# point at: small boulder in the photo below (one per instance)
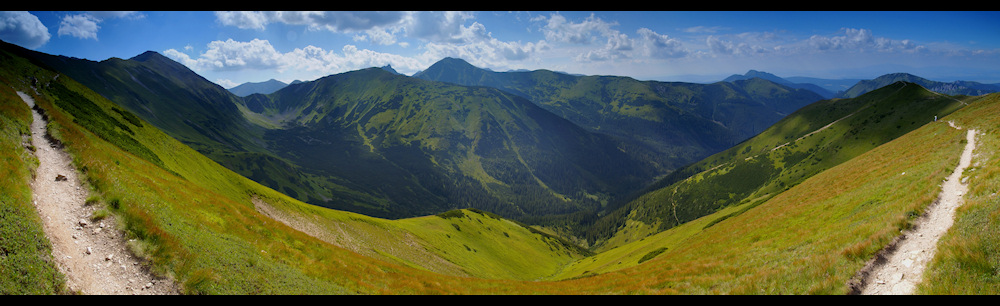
(60, 178)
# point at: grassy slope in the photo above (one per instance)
(194, 219)
(968, 258)
(811, 238)
(783, 156)
(26, 264)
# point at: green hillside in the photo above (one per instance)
(187, 107)
(424, 147)
(807, 142)
(969, 254)
(197, 223)
(813, 237)
(679, 122)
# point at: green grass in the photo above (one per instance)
(26, 263)
(786, 154)
(810, 239)
(968, 256)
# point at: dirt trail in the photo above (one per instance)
(91, 254)
(899, 271)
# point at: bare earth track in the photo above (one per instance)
(91, 254)
(900, 268)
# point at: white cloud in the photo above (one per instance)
(226, 83)
(257, 54)
(442, 34)
(860, 40)
(243, 20)
(85, 25)
(232, 55)
(80, 26)
(558, 29)
(336, 21)
(376, 27)
(589, 32)
(660, 46)
(725, 47)
(23, 29)
(443, 27)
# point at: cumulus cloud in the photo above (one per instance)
(559, 29)
(85, 25)
(442, 34)
(589, 32)
(860, 40)
(257, 54)
(337, 21)
(661, 46)
(232, 55)
(80, 26)
(376, 27)
(23, 29)
(719, 46)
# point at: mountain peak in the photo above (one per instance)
(145, 56)
(449, 69)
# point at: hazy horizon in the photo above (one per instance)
(232, 48)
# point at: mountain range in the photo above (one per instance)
(463, 180)
(494, 156)
(264, 87)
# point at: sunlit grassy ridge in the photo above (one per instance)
(810, 239)
(968, 256)
(26, 263)
(807, 142)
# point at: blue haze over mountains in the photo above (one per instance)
(827, 88)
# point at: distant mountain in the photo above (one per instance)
(825, 93)
(679, 122)
(265, 87)
(949, 88)
(403, 146)
(831, 85)
(389, 69)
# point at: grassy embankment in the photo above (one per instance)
(968, 256)
(809, 239)
(26, 263)
(803, 144)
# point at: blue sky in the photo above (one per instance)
(230, 48)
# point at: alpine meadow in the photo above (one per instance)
(138, 174)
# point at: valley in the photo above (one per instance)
(465, 181)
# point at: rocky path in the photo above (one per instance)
(903, 267)
(91, 254)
